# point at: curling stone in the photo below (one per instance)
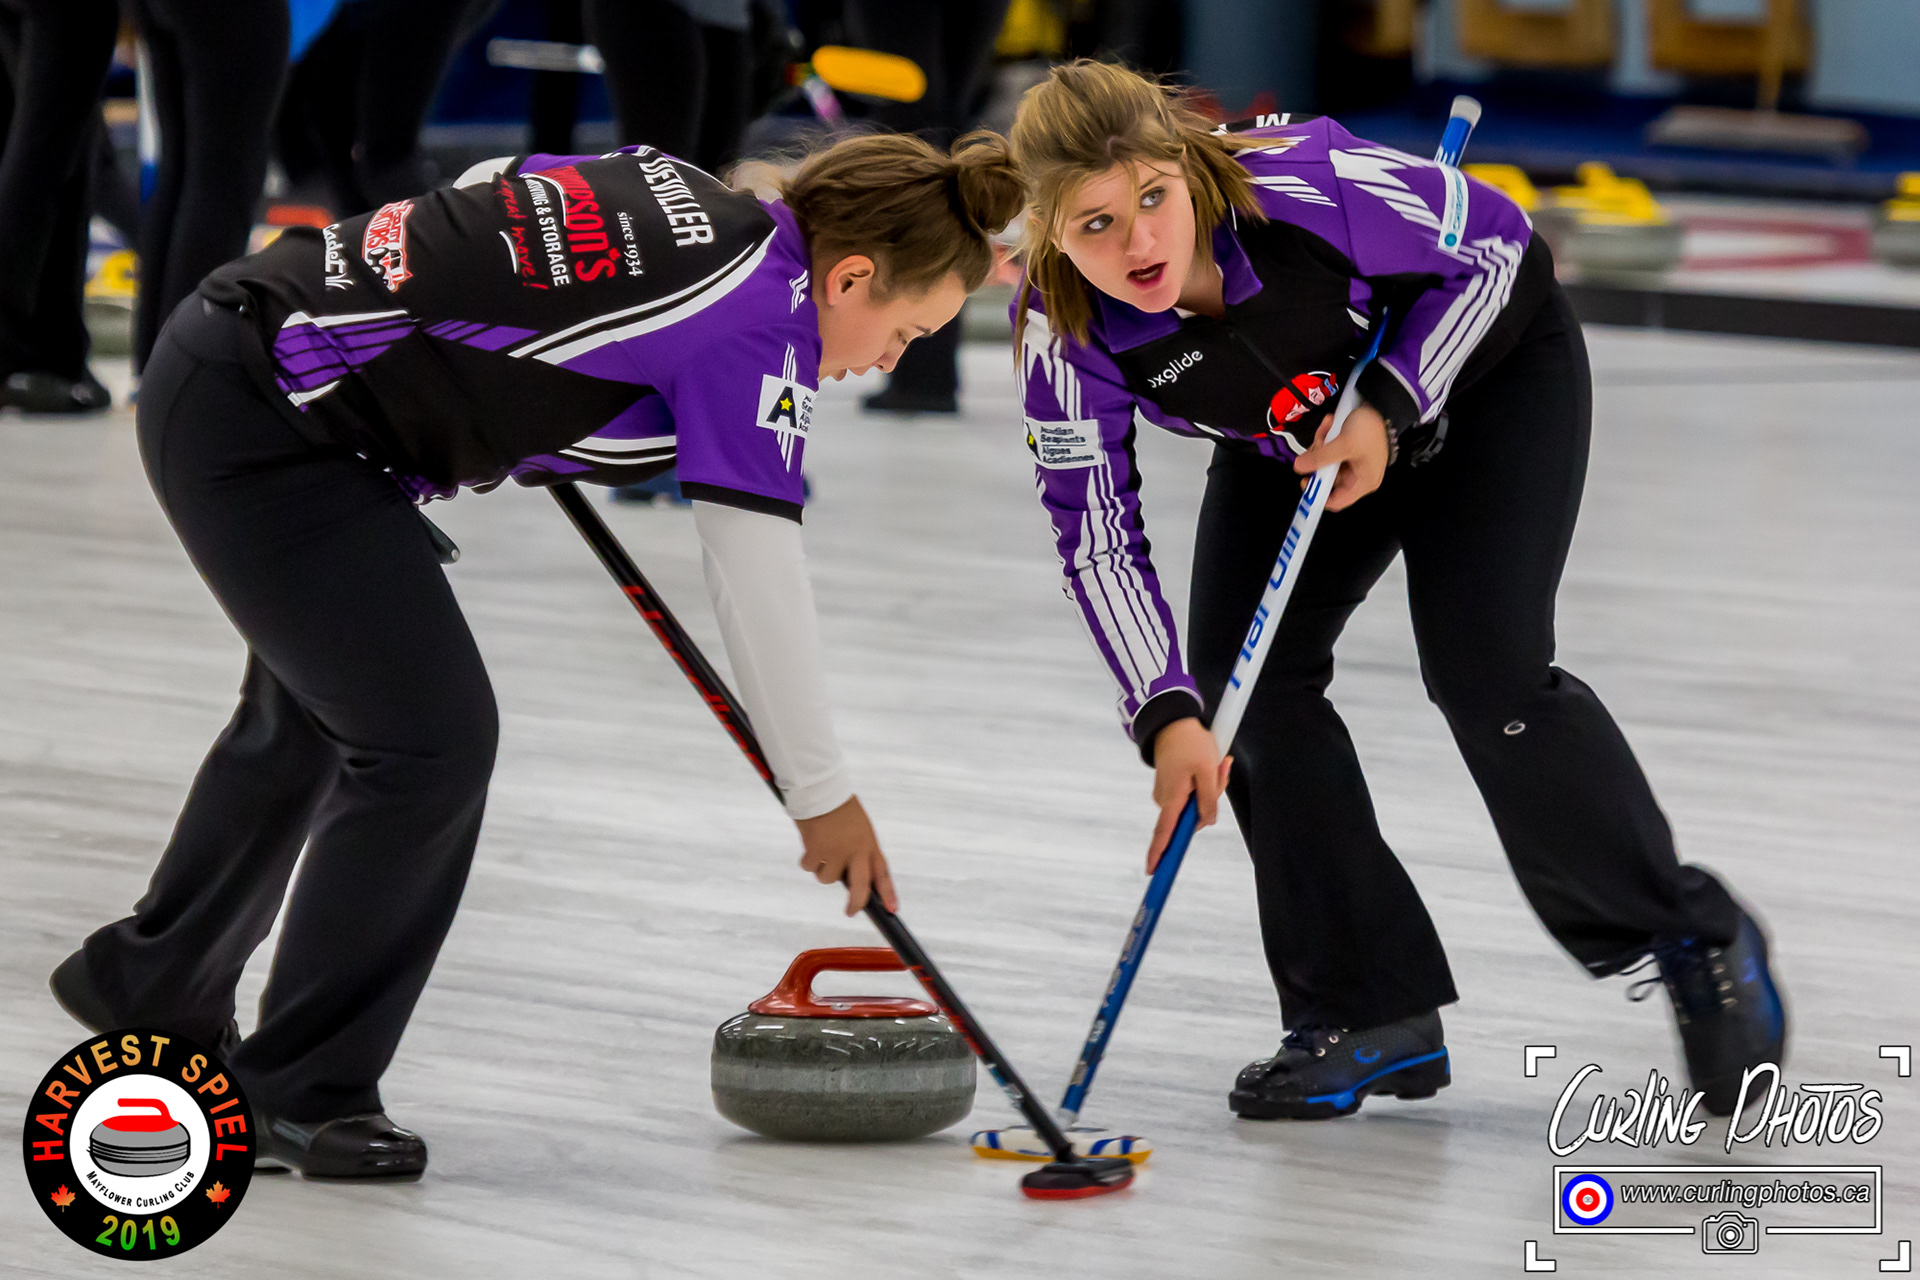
(140, 1146)
(1508, 179)
(1607, 223)
(844, 1068)
(1896, 231)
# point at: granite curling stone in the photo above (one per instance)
(1896, 229)
(140, 1146)
(1607, 224)
(804, 1068)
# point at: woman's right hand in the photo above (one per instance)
(840, 846)
(1186, 760)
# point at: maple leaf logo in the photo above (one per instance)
(218, 1194)
(63, 1197)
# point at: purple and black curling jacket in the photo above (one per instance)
(1352, 233)
(568, 317)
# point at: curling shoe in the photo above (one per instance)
(73, 990)
(41, 392)
(1728, 1010)
(359, 1147)
(1322, 1072)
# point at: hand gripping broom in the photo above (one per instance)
(1069, 1176)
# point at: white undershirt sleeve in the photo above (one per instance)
(485, 171)
(757, 576)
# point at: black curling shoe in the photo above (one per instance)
(39, 392)
(73, 990)
(369, 1146)
(1729, 1011)
(1322, 1072)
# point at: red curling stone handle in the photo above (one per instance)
(794, 996)
(142, 1124)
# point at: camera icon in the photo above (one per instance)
(1729, 1232)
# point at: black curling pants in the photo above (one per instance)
(217, 69)
(1485, 528)
(409, 47)
(675, 83)
(952, 41)
(365, 733)
(56, 54)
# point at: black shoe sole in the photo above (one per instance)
(1410, 1080)
(276, 1154)
(410, 1175)
(50, 393)
(271, 1160)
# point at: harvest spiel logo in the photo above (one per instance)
(138, 1144)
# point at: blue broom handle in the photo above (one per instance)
(1226, 724)
(1121, 982)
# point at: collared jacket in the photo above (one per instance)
(1354, 235)
(549, 318)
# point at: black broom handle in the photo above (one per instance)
(693, 664)
(733, 718)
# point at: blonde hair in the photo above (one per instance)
(920, 213)
(1082, 120)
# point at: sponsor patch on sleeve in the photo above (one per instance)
(1065, 446)
(384, 244)
(785, 405)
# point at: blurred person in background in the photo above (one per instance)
(215, 69)
(356, 103)
(952, 41)
(1147, 34)
(115, 197)
(678, 73)
(56, 54)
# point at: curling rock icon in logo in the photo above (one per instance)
(137, 1145)
(1588, 1199)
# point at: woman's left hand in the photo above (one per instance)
(1361, 445)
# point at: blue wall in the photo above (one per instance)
(1866, 55)
(1866, 52)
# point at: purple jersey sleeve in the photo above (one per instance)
(1080, 423)
(1389, 212)
(743, 410)
(1399, 207)
(737, 362)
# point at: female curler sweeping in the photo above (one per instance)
(546, 318)
(1220, 284)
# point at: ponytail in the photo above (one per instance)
(921, 214)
